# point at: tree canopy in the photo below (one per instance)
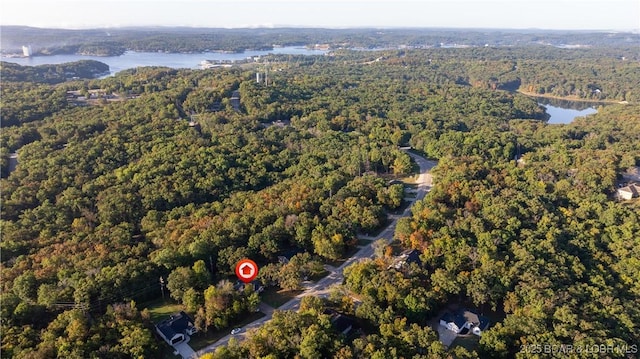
(173, 181)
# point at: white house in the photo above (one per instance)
(464, 319)
(628, 192)
(455, 323)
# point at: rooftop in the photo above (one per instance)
(175, 324)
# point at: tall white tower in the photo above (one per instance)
(26, 51)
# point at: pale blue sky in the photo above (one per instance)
(513, 14)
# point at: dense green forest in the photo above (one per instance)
(53, 74)
(172, 180)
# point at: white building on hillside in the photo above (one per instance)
(26, 51)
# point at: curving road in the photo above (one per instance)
(322, 287)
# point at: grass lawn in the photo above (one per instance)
(167, 351)
(469, 342)
(275, 298)
(159, 310)
(162, 308)
(202, 340)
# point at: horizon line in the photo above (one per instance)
(312, 27)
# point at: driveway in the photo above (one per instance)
(185, 350)
(446, 336)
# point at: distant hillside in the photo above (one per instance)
(52, 74)
(179, 39)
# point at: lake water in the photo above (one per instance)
(560, 111)
(132, 59)
(564, 111)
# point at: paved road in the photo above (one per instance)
(323, 286)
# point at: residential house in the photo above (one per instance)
(628, 192)
(286, 256)
(406, 258)
(413, 256)
(455, 323)
(342, 324)
(464, 319)
(176, 328)
(257, 286)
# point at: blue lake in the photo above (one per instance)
(564, 111)
(560, 111)
(559, 115)
(133, 59)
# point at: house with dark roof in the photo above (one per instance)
(413, 256)
(465, 319)
(406, 258)
(342, 324)
(175, 329)
(257, 286)
(455, 323)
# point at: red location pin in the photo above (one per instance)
(247, 270)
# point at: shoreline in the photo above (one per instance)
(576, 99)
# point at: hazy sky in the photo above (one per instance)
(515, 14)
